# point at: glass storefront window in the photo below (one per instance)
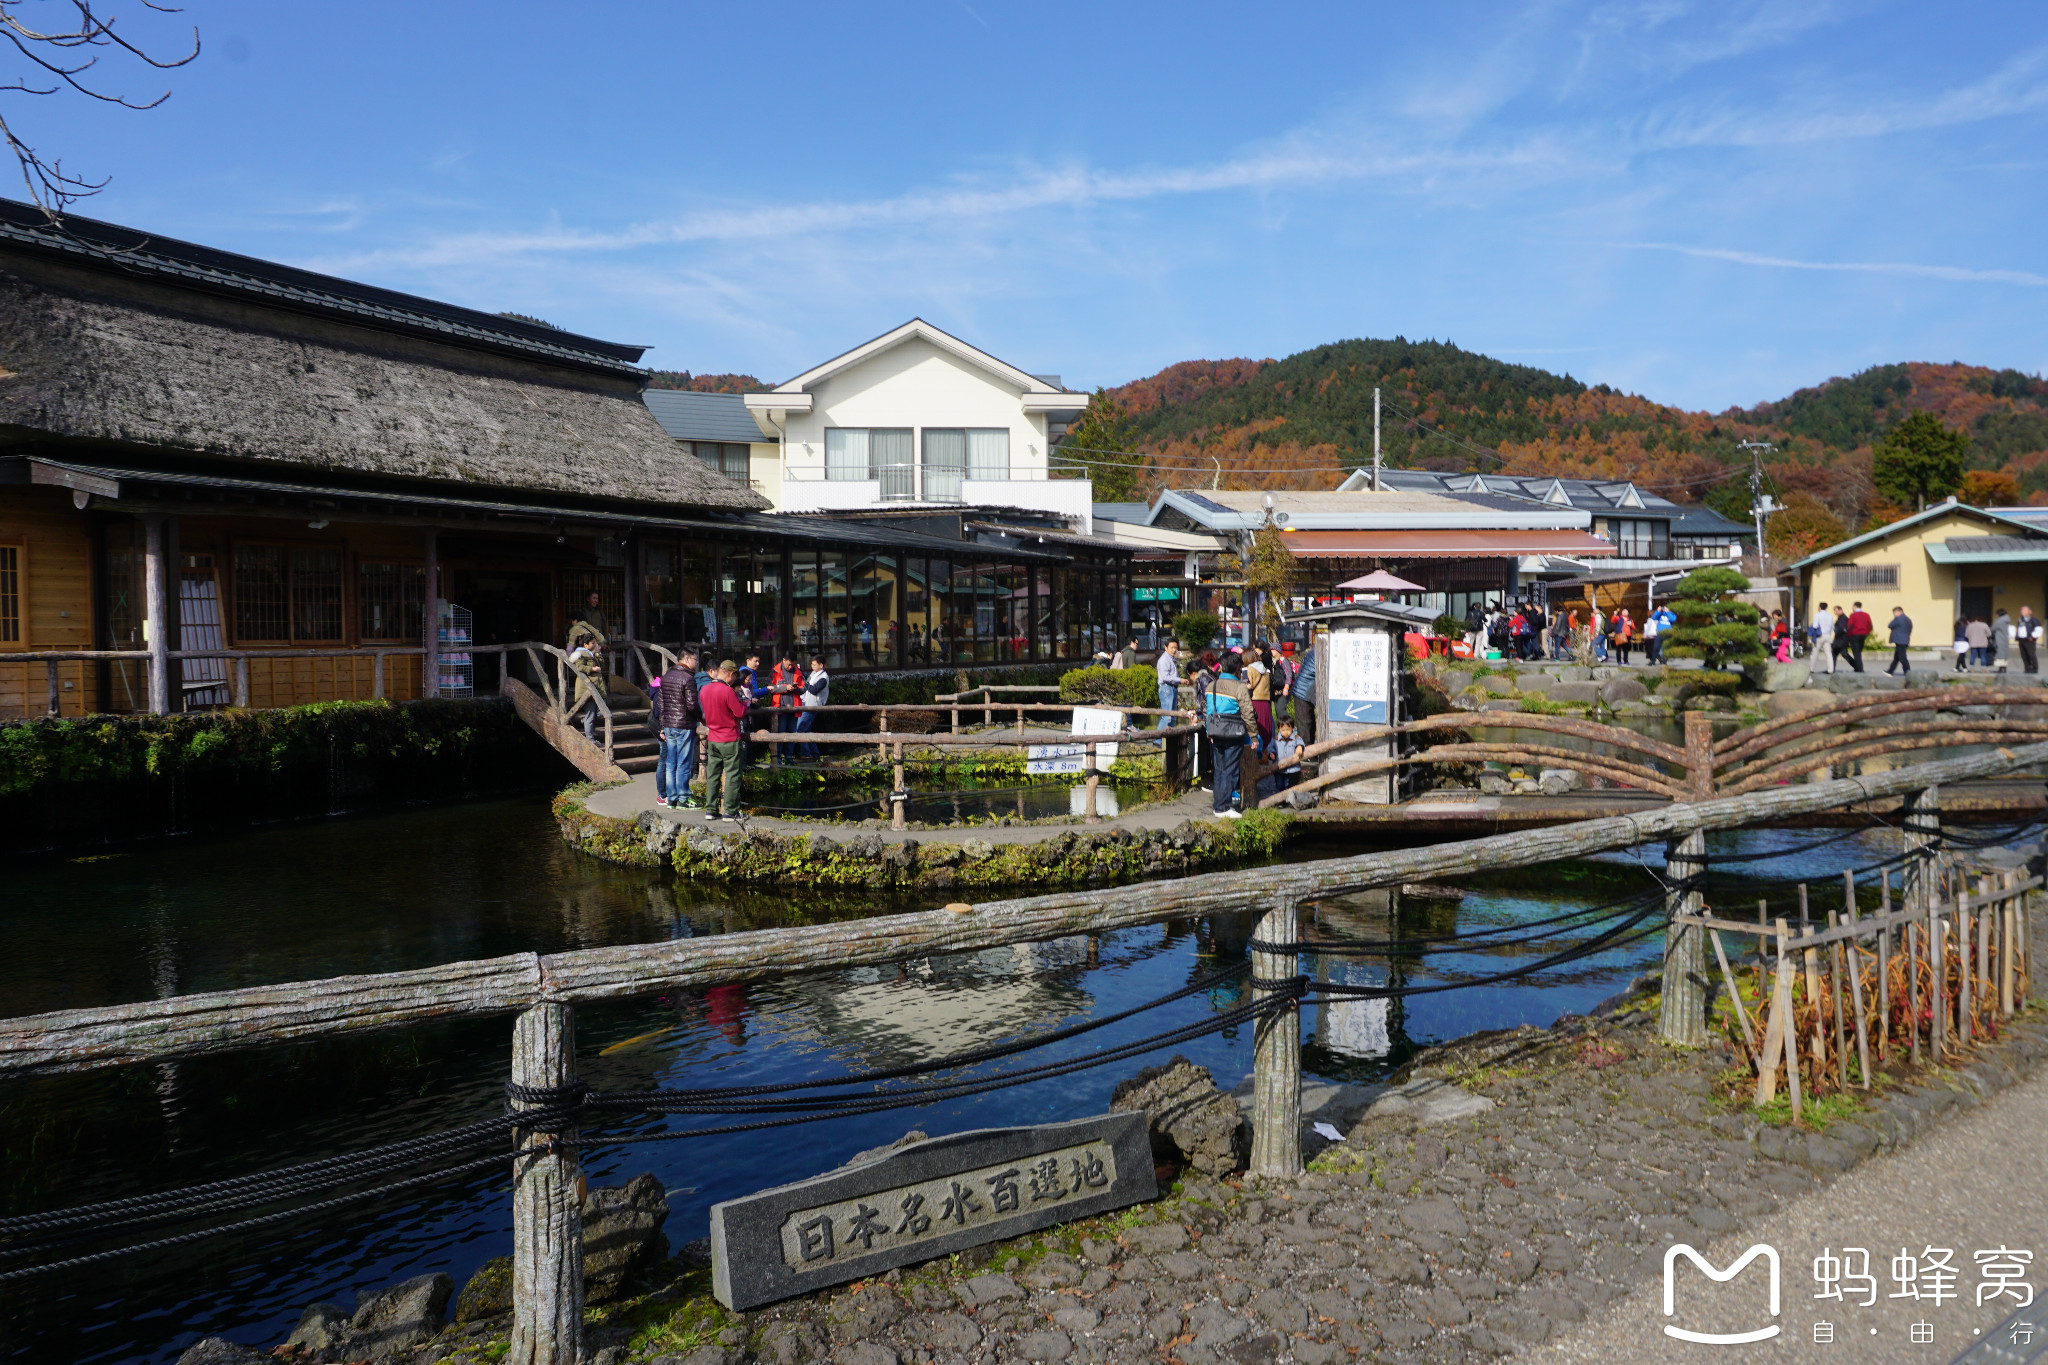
(698, 605)
(661, 592)
(804, 602)
(862, 626)
(834, 613)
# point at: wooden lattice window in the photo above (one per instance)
(10, 594)
(287, 593)
(390, 601)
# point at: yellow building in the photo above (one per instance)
(1948, 562)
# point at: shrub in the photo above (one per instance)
(1194, 630)
(1111, 686)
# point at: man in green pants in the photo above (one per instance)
(724, 714)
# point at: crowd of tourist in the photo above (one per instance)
(1523, 630)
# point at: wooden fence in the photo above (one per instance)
(543, 991)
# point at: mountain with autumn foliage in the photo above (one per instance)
(704, 383)
(1302, 422)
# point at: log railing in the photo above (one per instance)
(542, 989)
(1771, 754)
(988, 698)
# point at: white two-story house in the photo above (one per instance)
(919, 418)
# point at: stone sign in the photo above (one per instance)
(924, 1200)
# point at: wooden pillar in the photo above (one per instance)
(1699, 754)
(1094, 780)
(1922, 894)
(547, 1206)
(430, 662)
(633, 586)
(158, 575)
(896, 818)
(1276, 1055)
(1683, 1016)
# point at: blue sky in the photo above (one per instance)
(1710, 204)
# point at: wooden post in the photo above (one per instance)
(2008, 944)
(157, 578)
(1884, 966)
(430, 588)
(1855, 959)
(896, 818)
(1838, 965)
(1810, 958)
(547, 1203)
(377, 675)
(1276, 1055)
(1683, 1014)
(882, 748)
(56, 698)
(242, 681)
(1094, 778)
(1984, 933)
(1966, 1023)
(1699, 754)
(1911, 939)
(1734, 993)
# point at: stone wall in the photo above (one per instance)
(1054, 855)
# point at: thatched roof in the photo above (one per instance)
(159, 347)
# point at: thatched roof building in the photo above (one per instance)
(282, 487)
(154, 349)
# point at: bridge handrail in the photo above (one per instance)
(1744, 743)
(560, 695)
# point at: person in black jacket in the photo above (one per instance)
(677, 711)
(1901, 633)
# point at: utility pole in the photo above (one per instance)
(1756, 450)
(1375, 438)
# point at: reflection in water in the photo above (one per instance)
(386, 892)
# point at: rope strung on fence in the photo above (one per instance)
(552, 1110)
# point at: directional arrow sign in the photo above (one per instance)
(1361, 669)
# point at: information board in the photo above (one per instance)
(1056, 758)
(1361, 676)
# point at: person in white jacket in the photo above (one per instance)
(1820, 637)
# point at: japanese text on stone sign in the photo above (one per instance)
(891, 1219)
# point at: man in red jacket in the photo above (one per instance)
(1860, 626)
(724, 714)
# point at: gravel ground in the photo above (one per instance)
(1537, 1226)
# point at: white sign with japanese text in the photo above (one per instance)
(1361, 676)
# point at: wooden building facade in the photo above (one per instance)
(279, 476)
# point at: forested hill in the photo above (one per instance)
(1299, 422)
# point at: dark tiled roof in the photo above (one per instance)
(689, 416)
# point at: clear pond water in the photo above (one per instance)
(402, 890)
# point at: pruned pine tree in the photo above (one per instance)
(1712, 626)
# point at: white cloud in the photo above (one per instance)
(1961, 274)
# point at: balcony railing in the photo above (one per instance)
(1632, 548)
(923, 482)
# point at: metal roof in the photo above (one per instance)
(114, 482)
(691, 416)
(125, 250)
(1989, 550)
(1616, 496)
(1940, 509)
(1226, 511)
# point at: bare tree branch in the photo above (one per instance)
(50, 187)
